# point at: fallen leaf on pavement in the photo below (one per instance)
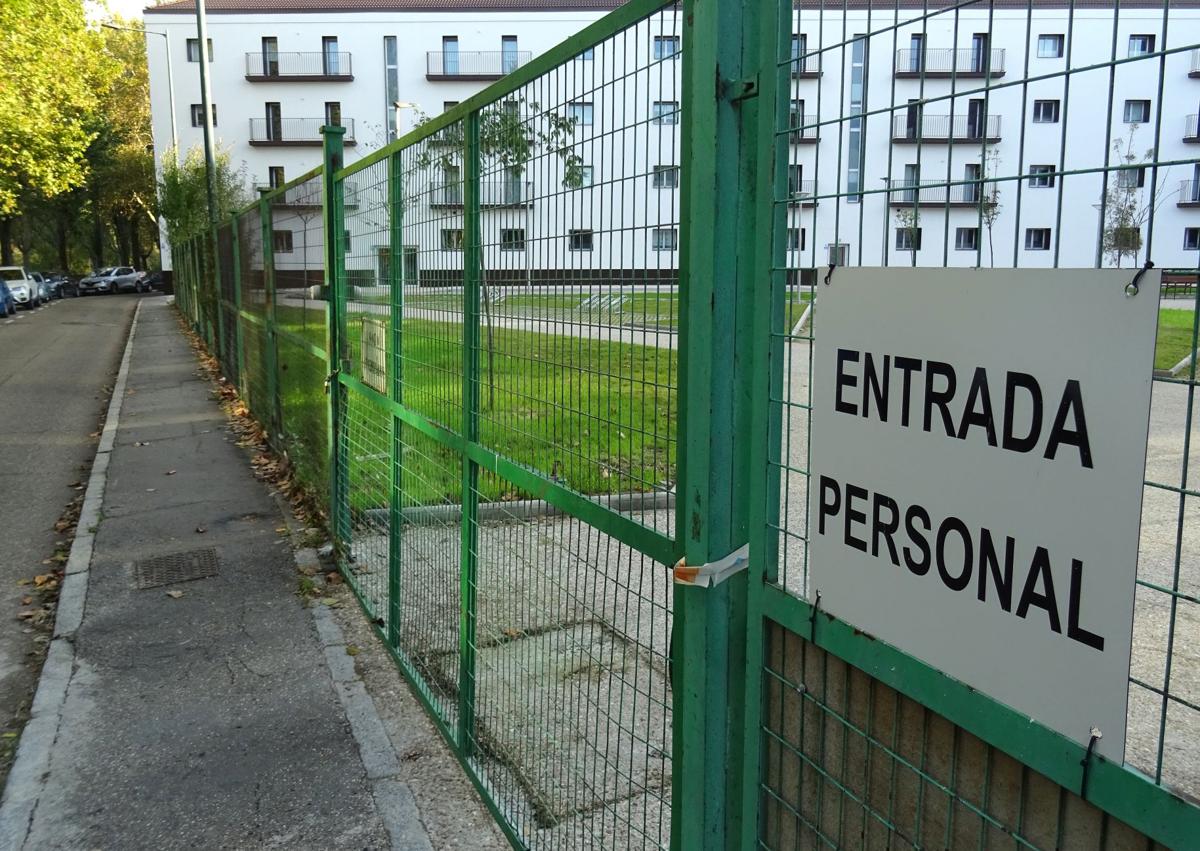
(174, 595)
(25, 601)
(333, 578)
(26, 614)
(24, 581)
(331, 602)
(201, 529)
(41, 579)
(351, 649)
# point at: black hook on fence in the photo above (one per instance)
(1131, 289)
(812, 619)
(829, 274)
(1086, 762)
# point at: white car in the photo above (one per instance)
(111, 280)
(25, 290)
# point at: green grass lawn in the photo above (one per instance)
(1174, 337)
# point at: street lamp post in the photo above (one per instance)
(170, 80)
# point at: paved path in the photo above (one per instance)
(210, 719)
(54, 365)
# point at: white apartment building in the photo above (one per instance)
(947, 97)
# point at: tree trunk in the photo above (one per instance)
(135, 243)
(6, 252)
(97, 246)
(60, 241)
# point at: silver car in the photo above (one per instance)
(110, 280)
(26, 291)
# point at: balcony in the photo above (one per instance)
(807, 67)
(293, 132)
(935, 193)
(478, 65)
(910, 128)
(802, 193)
(1195, 72)
(803, 129)
(494, 193)
(307, 196)
(1189, 194)
(1191, 129)
(312, 67)
(950, 62)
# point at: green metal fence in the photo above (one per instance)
(538, 350)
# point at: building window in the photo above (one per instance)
(1041, 177)
(1050, 46)
(666, 46)
(270, 56)
(1137, 111)
(449, 55)
(1191, 239)
(587, 55)
(346, 241)
(839, 253)
(1140, 45)
(796, 187)
(281, 240)
(799, 52)
(908, 239)
(796, 238)
(452, 239)
(333, 113)
(512, 239)
(580, 240)
(1037, 239)
(193, 50)
(966, 239)
(1045, 111)
(391, 84)
(586, 175)
(858, 59)
(509, 59)
(666, 177)
(665, 112)
(1131, 178)
(330, 60)
(666, 239)
(275, 176)
(198, 115)
(580, 113)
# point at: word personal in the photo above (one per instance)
(924, 393)
(963, 558)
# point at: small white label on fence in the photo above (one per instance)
(978, 446)
(374, 355)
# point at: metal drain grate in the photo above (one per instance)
(175, 567)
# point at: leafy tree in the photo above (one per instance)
(909, 219)
(53, 72)
(182, 193)
(1125, 209)
(989, 199)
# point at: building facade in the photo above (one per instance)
(984, 137)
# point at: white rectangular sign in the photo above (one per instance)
(978, 446)
(374, 355)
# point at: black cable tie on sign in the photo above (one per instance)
(1086, 762)
(829, 274)
(1131, 289)
(812, 619)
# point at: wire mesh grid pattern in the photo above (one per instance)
(915, 167)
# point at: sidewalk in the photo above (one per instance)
(214, 716)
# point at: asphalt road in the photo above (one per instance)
(55, 365)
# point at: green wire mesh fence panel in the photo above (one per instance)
(300, 329)
(508, 428)
(227, 306)
(254, 316)
(1015, 135)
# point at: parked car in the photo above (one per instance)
(66, 284)
(53, 286)
(110, 280)
(8, 304)
(152, 281)
(24, 289)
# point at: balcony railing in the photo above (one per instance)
(497, 193)
(906, 193)
(801, 193)
(1195, 72)
(1191, 129)
(943, 128)
(1189, 194)
(307, 195)
(299, 67)
(950, 62)
(473, 65)
(291, 132)
(803, 128)
(808, 65)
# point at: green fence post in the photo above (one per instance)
(396, 383)
(335, 283)
(719, 217)
(238, 331)
(470, 472)
(274, 418)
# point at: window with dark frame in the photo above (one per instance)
(966, 239)
(1137, 111)
(452, 239)
(666, 177)
(1140, 45)
(281, 241)
(275, 176)
(1191, 239)
(1131, 178)
(193, 50)
(580, 239)
(1045, 111)
(512, 239)
(796, 238)
(1041, 177)
(666, 239)
(580, 112)
(1050, 46)
(666, 46)
(1037, 239)
(665, 112)
(908, 239)
(198, 115)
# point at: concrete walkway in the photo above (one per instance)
(212, 713)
